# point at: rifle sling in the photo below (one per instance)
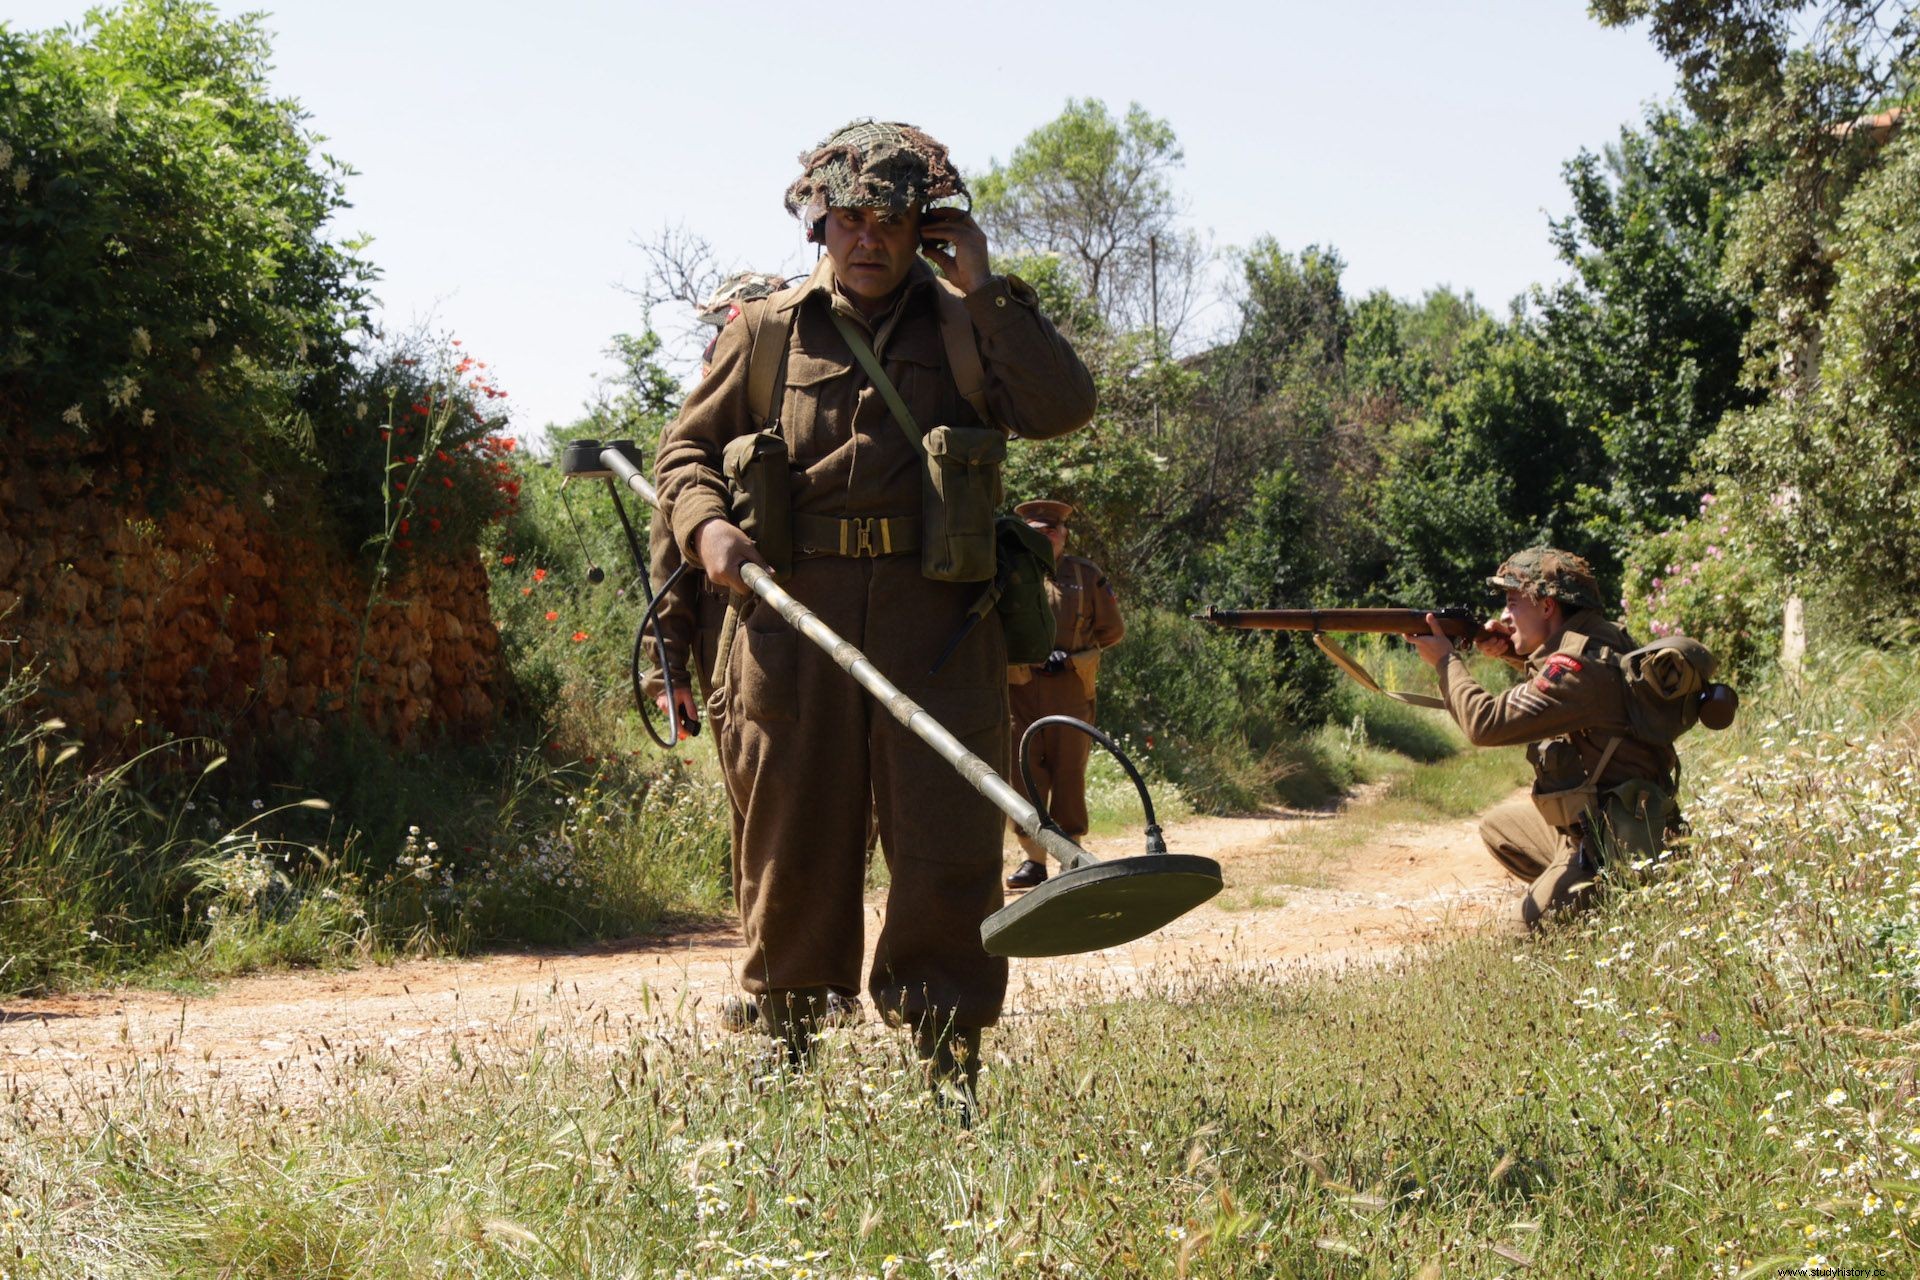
(1361, 676)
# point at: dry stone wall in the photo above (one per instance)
(192, 614)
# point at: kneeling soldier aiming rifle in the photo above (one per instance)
(1597, 714)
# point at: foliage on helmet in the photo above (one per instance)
(871, 164)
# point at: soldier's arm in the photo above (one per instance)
(1561, 700)
(1108, 625)
(1035, 381)
(688, 469)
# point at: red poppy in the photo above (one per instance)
(553, 616)
(539, 575)
(578, 636)
(526, 591)
(507, 559)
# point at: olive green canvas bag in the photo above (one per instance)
(960, 488)
(962, 482)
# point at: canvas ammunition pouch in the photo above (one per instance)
(959, 479)
(960, 496)
(760, 499)
(1564, 800)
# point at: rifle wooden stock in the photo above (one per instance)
(1455, 623)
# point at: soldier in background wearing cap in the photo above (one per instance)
(805, 750)
(1570, 711)
(1087, 620)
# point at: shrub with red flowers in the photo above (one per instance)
(414, 446)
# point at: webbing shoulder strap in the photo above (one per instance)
(882, 383)
(963, 351)
(767, 359)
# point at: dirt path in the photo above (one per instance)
(302, 1033)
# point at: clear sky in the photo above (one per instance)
(511, 153)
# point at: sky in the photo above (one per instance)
(510, 155)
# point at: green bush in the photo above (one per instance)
(1708, 578)
(162, 235)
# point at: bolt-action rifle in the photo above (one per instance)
(1456, 623)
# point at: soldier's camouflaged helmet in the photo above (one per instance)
(1549, 574)
(736, 289)
(871, 164)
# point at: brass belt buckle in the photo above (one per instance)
(863, 536)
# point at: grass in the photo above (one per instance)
(1711, 1075)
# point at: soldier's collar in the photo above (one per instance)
(919, 276)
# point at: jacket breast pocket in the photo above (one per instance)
(817, 388)
(768, 675)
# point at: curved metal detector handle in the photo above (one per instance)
(980, 775)
(1156, 842)
(652, 615)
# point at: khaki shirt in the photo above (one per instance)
(1566, 698)
(1086, 612)
(848, 457)
(1086, 620)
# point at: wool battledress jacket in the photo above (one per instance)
(807, 754)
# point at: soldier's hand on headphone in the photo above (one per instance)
(723, 550)
(954, 242)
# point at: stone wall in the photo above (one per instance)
(195, 615)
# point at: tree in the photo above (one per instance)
(1095, 190)
(163, 232)
(1774, 97)
(1646, 335)
(1790, 92)
(1841, 462)
(1492, 467)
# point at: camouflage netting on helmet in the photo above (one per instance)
(873, 165)
(1547, 573)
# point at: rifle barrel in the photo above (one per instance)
(1454, 622)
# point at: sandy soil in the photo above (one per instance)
(294, 1033)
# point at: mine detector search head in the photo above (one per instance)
(1092, 904)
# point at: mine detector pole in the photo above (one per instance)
(980, 775)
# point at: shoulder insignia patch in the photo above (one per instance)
(1557, 666)
(733, 313)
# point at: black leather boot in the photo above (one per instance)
(1027, 875)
